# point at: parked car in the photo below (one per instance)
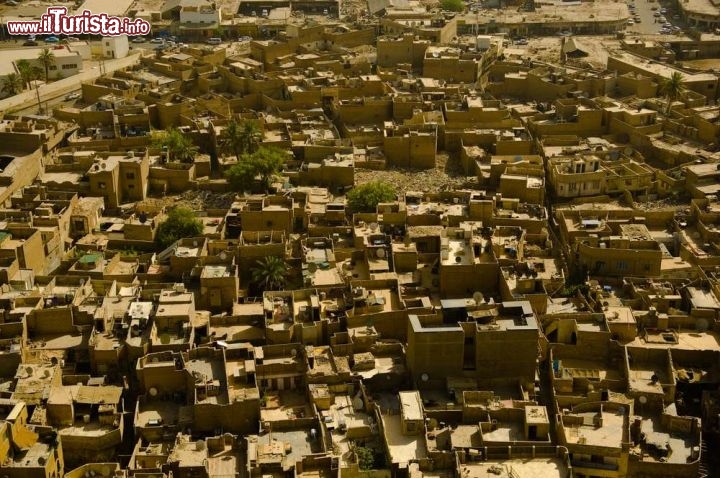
(638, 19)
(72, 96)
(30, 43)
(72, 39)
(139, 40)
(52, 39)
(214, 41)
(521, 41)
(157, 40)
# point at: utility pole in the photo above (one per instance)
(37, 91)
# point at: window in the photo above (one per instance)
(131, 186)
(101, 185)
(130, 175)
(573, 187)
(596, 184)
(107, 43)
(52, 68)
(69, 66)
(622, 265)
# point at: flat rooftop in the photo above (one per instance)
(519, 468)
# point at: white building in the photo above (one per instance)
(115, 47)
(200, 12)
(66, 61)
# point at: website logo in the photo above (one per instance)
(57, 22)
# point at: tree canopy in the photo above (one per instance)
(672, 88)
(453, 5)
(365, 197)
(241, 137)
(12, 84)
(263, 164)
(179, 146)
(270, 273)
(180, 222)
(46, 58)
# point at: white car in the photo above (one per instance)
(631, 22)
(72, 96)
(157, 40)
(139, 40)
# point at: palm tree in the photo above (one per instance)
(241, 137)
(270, 273)
(179, 146)
(672, 88)
(12, 84)
(46, 58)
(26, 71)
(251, 136)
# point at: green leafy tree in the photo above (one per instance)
(672, 88)
(241, 137)
(241, 175)
(26, 71)
(365, 457)
(268, 162)
(180, 222)
(263, 163)
(365, 197)
(12, 84)
(453, 5)
(179, 146)
(270, 273)
(46, 58)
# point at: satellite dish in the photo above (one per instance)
(424, 377)
(642, 399)
(153, 391)
(479, 298)
(381, 253)
(628, 151)
(373, 226)
(312, 267)
(293, 353)
(223, 255)
(702, 325)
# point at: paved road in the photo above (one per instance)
(649, 23)
(62, 87)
